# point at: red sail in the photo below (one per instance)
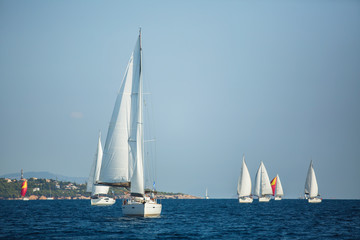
(24, 188)
(273, 185)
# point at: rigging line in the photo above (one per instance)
(152, 165)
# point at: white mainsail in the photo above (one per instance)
(244, 183)
(123, 152)
(278, 189)
(262, 182)
(311, 186)
(95, 172)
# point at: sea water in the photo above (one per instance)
(182, 219)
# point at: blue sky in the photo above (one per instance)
(277, 81)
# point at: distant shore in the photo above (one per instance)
(159, 196)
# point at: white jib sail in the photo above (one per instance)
(120, 150)
(257, 181)
(311, 186)
(265, 182)
(244, 183)
(314, 191)
(137, 133)
(95, 171)
(278, 189)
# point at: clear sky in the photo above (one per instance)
(278, 81)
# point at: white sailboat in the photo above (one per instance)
(262, 184)
(98, 193)
(206, 194)
(123, 160)
(50, 198)
(277, 188)
(311, 186)
(244, 185)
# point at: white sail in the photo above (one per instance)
(308, 180)
(257, 182)
(314, 190)
(278, 189)
(244, 183)
(265, 182)
(123, 152)
(90, 182)
(262, 182)
(94, 173)
(137, 133)
(311, 186)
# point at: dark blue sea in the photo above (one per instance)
(182, 219)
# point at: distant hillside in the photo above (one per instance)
(46, 175)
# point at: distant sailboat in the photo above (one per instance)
(98, 192)
(262, 184)
(311, 186)
(277, 188)
(244, 184)
(24, 189)
(206, 194)
(123, 160)
(50, 198)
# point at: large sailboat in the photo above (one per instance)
(311, 186)
(262, 184)
(277, 188)
(244, 184)
(98, 192)
(123, 160)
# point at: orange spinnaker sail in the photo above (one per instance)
(24, 188)
(273, 185)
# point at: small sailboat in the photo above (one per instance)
(24, 189)
(98, 193)
(50, 198)
(277, 188)
(311, 186)
(123, 160)
(206, 194)
(244, 185)
(262, 184)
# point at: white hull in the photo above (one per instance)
(147, 209)
(277, 198)
(264, 199)
(102, 201)
(245, 200)
(314, 200)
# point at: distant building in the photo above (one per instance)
(71, 186)
(36, 189)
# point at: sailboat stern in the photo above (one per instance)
(147, 209)
(246, 199)
(264, 198)
(102, 201)
(314, 200)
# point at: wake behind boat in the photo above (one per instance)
(123, 160)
